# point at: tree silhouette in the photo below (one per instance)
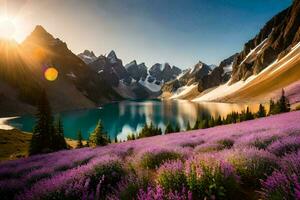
(79, 139)
(99, 137)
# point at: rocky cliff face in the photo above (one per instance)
(274, 40)
(164, 72)
(219, 75)
(189, 77)
(137, 71)
(111, 69)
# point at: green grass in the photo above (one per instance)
(14, 144)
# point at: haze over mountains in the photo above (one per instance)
(270, 61)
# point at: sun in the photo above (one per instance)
(7, 28)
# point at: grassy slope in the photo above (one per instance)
(14, 144)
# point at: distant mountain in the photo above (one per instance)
(137, 71)
(111, 69)
(87, 56)
(163, 72)
(132, 80)
(219, 75)
(189, 77)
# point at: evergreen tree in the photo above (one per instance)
(218, 121)
(43, 132)
(248, 114)
(116, 139)
(272, 109)
(98, 137)
(59, 141)
(197, 124)
(283, 103)
(188, 126)
(79, 139)
(177, 128)
(169, 129)
(131, 136)
(261, 111)
(211, 122)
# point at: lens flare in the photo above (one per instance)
(7, 29)
(51, 74)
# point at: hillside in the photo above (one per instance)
(268, 63)
(238, 147)
(22, 76)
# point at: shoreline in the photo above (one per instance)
(4, 125)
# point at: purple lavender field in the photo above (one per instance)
(258, 159)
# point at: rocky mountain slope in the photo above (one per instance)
(188, 80)
(219, 75)
(269, 62)
(274, 40)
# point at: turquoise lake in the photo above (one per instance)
(126, 117)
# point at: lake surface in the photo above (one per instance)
(125, 117)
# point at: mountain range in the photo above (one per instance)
(268, 62)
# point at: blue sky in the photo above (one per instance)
(180, 32)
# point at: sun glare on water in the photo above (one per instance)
(51, 74)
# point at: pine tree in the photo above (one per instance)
(188, 126)
(177, 128)
(169, 129)
(98, 137)
(59, 141)
(43, 133)
(248, 114)
(79, 139)
(261, 111)
(283, 103)
(218, 121)
(197, 124)
(272, 109)
(211, 122)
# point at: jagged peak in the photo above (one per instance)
(112, 54)
(132, 63)
(142, 64)
(40, 31)
(89, 53)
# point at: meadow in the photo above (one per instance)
(256, 159)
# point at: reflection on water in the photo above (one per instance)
(126, 117)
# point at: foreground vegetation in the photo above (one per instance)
(254, 159)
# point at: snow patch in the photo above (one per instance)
(256, 50)
(151, 86)
(183, 91)
(71, 74)
(227, 69)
